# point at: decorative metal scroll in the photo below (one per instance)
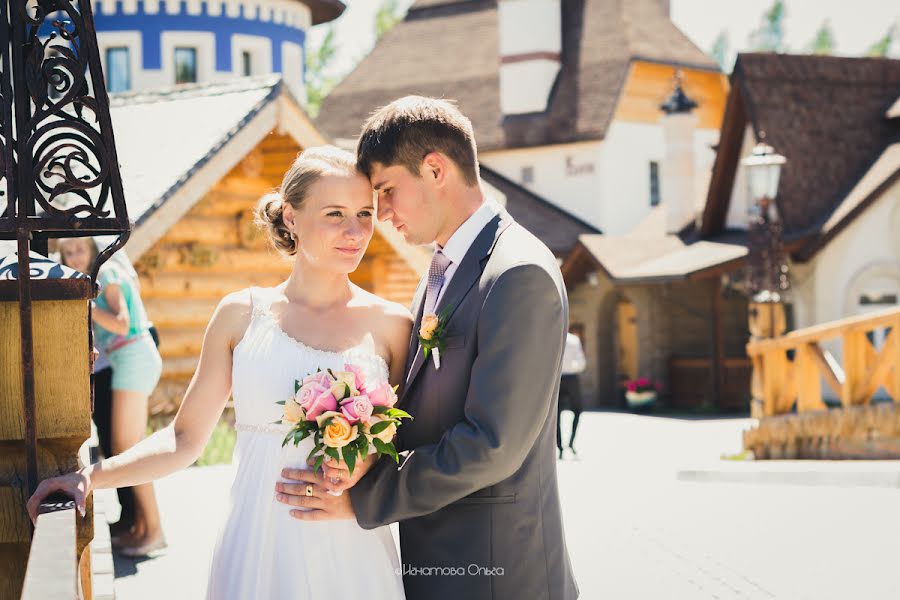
(59, 174)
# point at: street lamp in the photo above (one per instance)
(767, 273)
(767, 269)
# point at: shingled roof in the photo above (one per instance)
(558, 229)
(450, 49)
(828, 117)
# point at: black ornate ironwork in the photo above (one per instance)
(59, 174)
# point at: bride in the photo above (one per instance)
(256, 344)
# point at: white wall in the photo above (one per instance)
(862, 259)
(604, 183)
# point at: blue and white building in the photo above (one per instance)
(147, 44)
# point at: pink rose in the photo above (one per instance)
(357, 408)
(383, 395)
(321, 403)
(360, 383)
(322, 378)
(309, 392)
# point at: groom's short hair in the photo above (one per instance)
(409, 128)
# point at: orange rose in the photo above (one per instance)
(339, 432)
(430, 323)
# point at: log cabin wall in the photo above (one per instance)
(216, 249)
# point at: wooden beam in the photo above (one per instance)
(806, 374)
(880, 367)
(862, 323)
(855, 355)
(717, 370)
(835, 380)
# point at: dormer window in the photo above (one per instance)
(246, 64)
(185, 65)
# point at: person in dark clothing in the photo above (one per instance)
(570, 389)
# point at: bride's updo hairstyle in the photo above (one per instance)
(310, 165)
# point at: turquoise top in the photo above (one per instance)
(139, 324)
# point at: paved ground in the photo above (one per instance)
(634, 529)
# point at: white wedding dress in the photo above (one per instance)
(262, 552)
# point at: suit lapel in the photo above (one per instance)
(468, 272)
(417, 308)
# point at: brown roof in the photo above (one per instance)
(825, 114)
(450, 50)
(558, 229)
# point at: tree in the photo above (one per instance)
(387, 16)
(318, 82)
(883, 46)
(823, 42)
(720, 50)
(769, 36)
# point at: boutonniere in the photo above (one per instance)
(431, 334)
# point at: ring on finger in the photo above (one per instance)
(309, 490)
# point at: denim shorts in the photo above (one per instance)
(136, 366)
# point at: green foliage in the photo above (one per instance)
(220, 447)
(387, 16)
(823, 42)
(883, 46)
(769, 36)
(318, 83)
(720, 50)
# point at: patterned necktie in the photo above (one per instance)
(439, 265)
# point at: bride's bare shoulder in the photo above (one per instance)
(232, 315)
(393, 312)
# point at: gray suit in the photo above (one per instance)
(476, 496)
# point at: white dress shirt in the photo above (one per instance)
(573, 356)
(463, 238)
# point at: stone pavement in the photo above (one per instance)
(634, 529)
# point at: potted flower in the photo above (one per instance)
(641, 393)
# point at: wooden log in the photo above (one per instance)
(228, 203)
(179, 368)
(855, 355)
(203, 285)
(879, 367)
(186, 312)
(809, 387)
(219, 231)
(200, 258)
(178, 342)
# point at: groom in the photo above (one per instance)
(476, 491)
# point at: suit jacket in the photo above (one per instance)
(476, 495)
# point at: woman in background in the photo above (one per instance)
(122, 334)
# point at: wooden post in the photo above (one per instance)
(718, 347)
(62, 410)
(806, 372)
(855, 368)
(893, 347)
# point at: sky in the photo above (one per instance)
(856, 24)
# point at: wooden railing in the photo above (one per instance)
(780, 379)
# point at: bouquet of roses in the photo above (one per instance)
(344, 416)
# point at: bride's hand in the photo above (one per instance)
(337, 476)
(76, 484)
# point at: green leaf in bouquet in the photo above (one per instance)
(349, 457)
(333, 453)
(281, 402)
(313, 452)
(384, 448)
(397, 413)
(319, 460)
(289, 435)
(379, 410)
(379, 427)
(297, 385)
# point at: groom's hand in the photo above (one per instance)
(306, 490)
(337, 477)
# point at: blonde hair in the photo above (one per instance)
(310, 165)
(92, 248)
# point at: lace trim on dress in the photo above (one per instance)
(263, 428)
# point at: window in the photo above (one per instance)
(527, 175)
(654, 183)
(118, 70)
(185, 65)
(246, 64)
